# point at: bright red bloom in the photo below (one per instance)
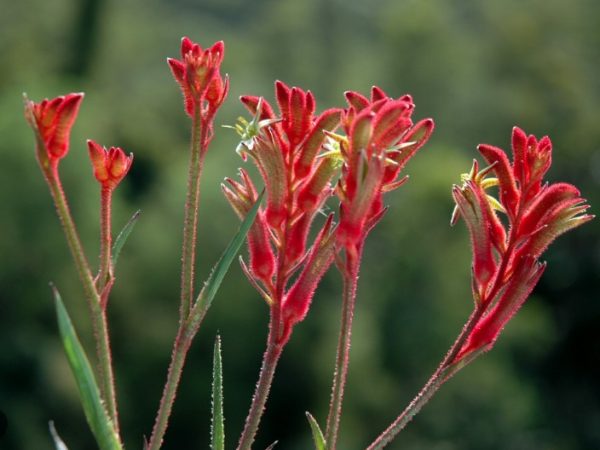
(506, 264)
(52, 120)
(287, 149)
(198, 74)
(110, 166)
(381, 138)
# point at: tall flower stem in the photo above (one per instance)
(446, 369)
(107, 384)
(190, 221)
(350, 279)
(269, 364)
(186, 331)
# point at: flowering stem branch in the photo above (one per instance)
(350, 279)
(446, 369)
(105, 275)
(188, 325)
(269, 364)
(190, 221)
(99, 321)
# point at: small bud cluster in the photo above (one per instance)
(506, 264)
(110, 166)
(199, 76)
(52, 121)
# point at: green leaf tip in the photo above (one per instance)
(316, 432)
(89, 394)
(58, 442)
(217, 429)
(122, 237)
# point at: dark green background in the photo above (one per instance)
(477, 68)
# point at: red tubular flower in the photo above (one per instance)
(381, 139)
(286, 148)
(505, 257)
(198, 74)
(52, 120)
(110, 165)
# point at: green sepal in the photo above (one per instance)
(217, 429)
(89, 394)
(122, 237)
(316, 432)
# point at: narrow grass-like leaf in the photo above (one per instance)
(316, 432)
(58, 442)
(272, 446)
(217, 430)
(122, 237)
(94, 410)
(212, 284)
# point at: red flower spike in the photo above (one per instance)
(327, 121)
(356, 100)
(52, 120)
(296, 239)
(297, 301)
(487, 330)
(509, 194)
(272, 166)
(241, 199)
(110, 166)
(198, 74)
(377, 94)
(316, 188)
(471, 203)
(537, 214)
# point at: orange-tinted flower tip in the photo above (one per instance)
(52, 120)
(110, 166)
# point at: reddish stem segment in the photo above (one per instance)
(350, 276)
(100, 325)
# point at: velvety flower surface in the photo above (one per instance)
(110, 165)
(380, 139)
(506, 253)
(52, 120)
(287, 149)
(198, 74)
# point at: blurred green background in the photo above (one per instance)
(477, 68)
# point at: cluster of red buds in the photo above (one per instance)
(506, 264)
(110, 165)
(52, 121)
(297, 177)
(380, 139)
(199, 76)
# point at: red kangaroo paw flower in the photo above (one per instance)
(52, 120)
(537, 214)
(110, 165)
(198, 75)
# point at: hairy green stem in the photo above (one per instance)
(105, 273)
(340, 374)
(190, 222)
(265, 379)
(446, 369)
(188, 326)
(101, 334)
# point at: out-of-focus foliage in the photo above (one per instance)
(477, 68)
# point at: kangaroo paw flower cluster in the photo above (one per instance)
(506, 265)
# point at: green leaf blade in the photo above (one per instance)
(94, 410)
(316, 432)
(213, 282)
(122, 237)
(218, 419)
